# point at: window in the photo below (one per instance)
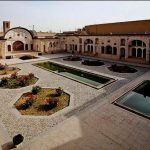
(96, 41)
(102, 49)
(114, 50)
(122, 42)
(9, 48)
(80, 47)
(7, 25)
(26, 47)
(139, 52)
(75, 47)
(108, 49)
(139, 43)
(80, 40)
(31, 46)
(134, 52)
(65, 46)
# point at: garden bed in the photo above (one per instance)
(4, 69)
(45, 102)
(122, 69)
(18, 81)
(27, 57)
(72, 58)
(92, 63)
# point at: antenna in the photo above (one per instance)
(33, 27)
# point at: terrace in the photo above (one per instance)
(92, 122)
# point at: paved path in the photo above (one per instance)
(102, 126)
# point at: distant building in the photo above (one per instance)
(123, 41)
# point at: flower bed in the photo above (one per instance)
(17, 81)
(122, 69)
(45, 101)
(92, 62)
(4, 69)
(72, 58)
(27, 57)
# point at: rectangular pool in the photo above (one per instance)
(84, 77)
(137, 100)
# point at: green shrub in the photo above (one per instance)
(13, 83)
(36, 89)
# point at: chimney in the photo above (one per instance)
(6, 26)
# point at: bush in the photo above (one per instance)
(31, 75)
(14, 75)
(59, 91)
(36, 89)
(51, 103)
(4, 81)
(2, 67)
(13, 83)
(28, 102)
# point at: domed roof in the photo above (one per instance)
(32, 32)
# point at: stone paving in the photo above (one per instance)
(101, 126)
(84, 97)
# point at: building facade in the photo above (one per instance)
(126, 41)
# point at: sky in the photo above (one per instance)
(58, 16)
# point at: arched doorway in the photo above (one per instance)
(18, 46)
(88, 46)
(108, 49)
(122, 52)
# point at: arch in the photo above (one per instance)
(18, 45)
(88, 41)
(139, 52)
(9, 48)
(108, 49)
(30, 32)
(138, 43)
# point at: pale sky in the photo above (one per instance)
(59, 16)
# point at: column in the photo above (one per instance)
(147, 54)
(126, 53)
(82, 48)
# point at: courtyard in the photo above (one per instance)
(89, 105)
